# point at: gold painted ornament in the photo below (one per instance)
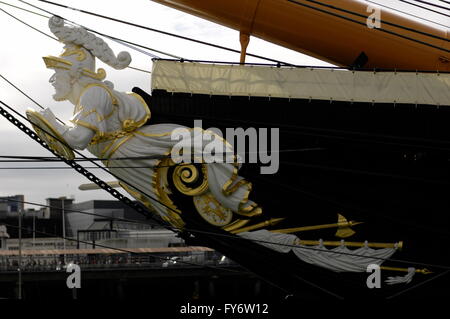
(210, 210)
(49, 135)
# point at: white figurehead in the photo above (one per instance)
(75, 71)
(113, 125)
(75, 67)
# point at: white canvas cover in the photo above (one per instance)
(304, 83)
(339, 259)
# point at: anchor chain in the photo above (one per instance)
(99, 182)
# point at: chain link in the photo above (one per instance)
(100, 183)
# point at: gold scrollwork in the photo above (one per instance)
(81, 55)
(99, 75)
(186, 176)
(162, 189)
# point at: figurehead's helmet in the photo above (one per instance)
(80, 50)
(76, 58)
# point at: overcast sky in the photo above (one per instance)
(21, 62)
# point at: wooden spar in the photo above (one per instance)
(92, 186)
(398, 245)
(266, 223)
(424, 271)
(316, 29)
(244, 38)
(343, 227)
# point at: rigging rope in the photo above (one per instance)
(384, 21)
(23, 9)
(410, 14)
(24, 159)
(356, 210)
(422, 7)
(112, 38)
(300, 164)
(103, 185)
(244, 272)
(87, 174)
(125, 250)
(105, 35)
(2, 112)
(71, 163)
(41, 32)
(418, 285)
(364, 24)
(432, 4)
(162, 32)
(92, 177)
(229, 236)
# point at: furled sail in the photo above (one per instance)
(302, 83)
(339, 259)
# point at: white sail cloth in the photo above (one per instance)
(302, 83)
(339, 259)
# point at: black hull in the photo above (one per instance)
(385, 165)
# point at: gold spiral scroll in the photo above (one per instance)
(186, 179)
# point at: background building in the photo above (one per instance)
(32, 219)
(3, 236)
(111, 223)
(11, 205)
(89, 224)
